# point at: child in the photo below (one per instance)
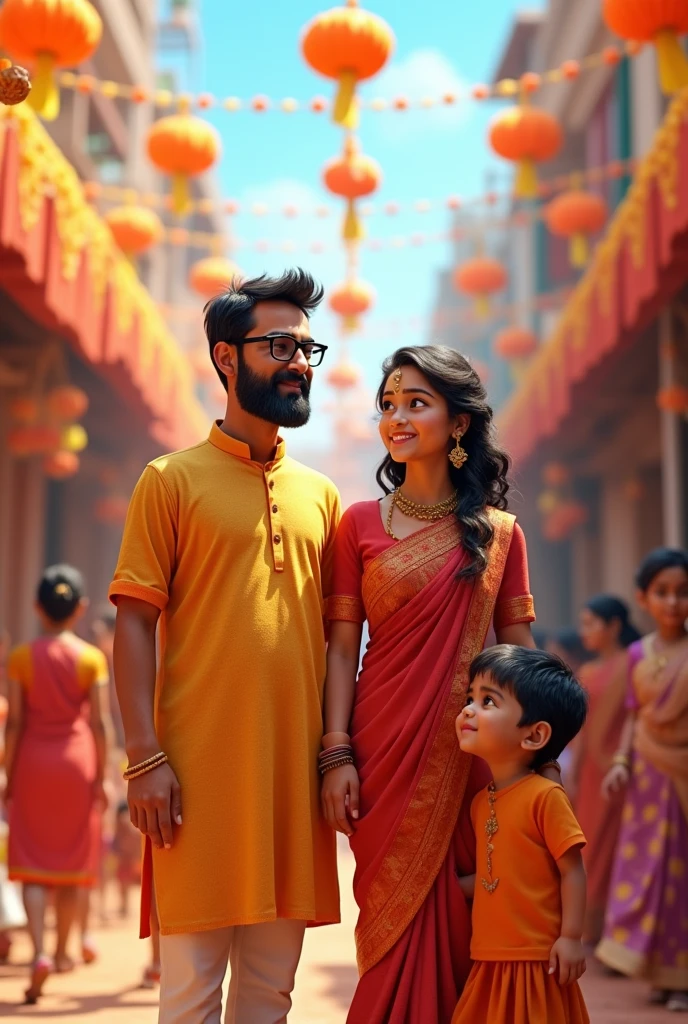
(522, 708)
(646, 927)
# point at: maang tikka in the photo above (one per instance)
(458, 455)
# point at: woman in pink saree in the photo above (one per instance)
(431, 567)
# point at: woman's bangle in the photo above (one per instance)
(330, 739)
(621, 759)
(134, 770)
(335, 757)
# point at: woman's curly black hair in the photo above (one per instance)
(482, 481)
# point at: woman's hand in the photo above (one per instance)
(339, 797)
(155, 801)
(616, 778)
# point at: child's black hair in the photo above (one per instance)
(59, 592)
(544, 686)
(656, 562)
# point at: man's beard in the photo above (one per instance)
(260, 396)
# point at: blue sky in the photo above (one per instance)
(253, 49)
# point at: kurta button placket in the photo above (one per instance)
(273, 514)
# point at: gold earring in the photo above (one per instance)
(458, 455)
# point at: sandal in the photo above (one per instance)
(89, 950)
(42, 968)
(677, 1002)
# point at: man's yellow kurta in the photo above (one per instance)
(236, 556)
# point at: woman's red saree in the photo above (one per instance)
(414, 837)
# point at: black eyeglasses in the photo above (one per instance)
(283, 348)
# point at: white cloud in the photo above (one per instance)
(422, 74)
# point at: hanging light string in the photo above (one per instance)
(567, 71)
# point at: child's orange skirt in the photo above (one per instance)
(518, 992)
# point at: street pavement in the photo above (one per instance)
(107, 992)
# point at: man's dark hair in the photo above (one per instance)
(544, 686)
(229, 317)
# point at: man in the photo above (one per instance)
(231, 541)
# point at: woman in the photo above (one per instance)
(55, 759)
(646, 926)
(606, 632)
(430, 567)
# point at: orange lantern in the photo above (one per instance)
(515, 343)
(24, 409)
(673, 398)
(576, 215)
(182, 146)
(212, 276)
(61, 465)
(657, 21)
(352, 176)
(134, 228)
(111, 510)
(67, 403)
(481, 277)
(526, 135)
(349, 45)
(36, 439)
(49, 34)
(556, 474)
(350, 300)
(344, 376)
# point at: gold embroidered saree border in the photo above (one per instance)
(339, 608)
(637, 965)
(513, 610)
(420, 845)
(402, 571)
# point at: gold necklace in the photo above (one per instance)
(414, 510)
(491, 828)
(661, 658)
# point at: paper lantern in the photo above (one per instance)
(657, 21)
(61, 465)
(212, 276)
(35, 439)
(515, 343)
(350, 300)
(547, 501)
(564, 518)
(67, 403)
(481, 277)
(48, 34)
(344, 376)
(134, 228)
(111, 509)
(352, 176)
(348, 44)
(182, 146)
(74, 438)
(24, 409)
(15, 84)
(576, 215)
(527, 136)
(556, 474)
(673, 398)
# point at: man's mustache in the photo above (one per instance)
(284, 377)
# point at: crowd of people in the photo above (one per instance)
(479, 771)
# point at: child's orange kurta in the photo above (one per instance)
(515, 927)
(235, 554)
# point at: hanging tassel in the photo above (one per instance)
(181, 199)
(673, 63)
(579, 250)
(526, 184)
(353, 230)
(345, 111)
(482, 307)
(350, 324)
(45, 96)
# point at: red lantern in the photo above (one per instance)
(556, 474)
(563, 520)
(61, 465)
(481, 277)
(36, 439)
(514, 343)
(350, 300)
(673, 398)
(67, 403)
(658, 21)
(352, 176)
(182, 146)
(576, 215)
(134, 228)
(24, 409)
(527, 136)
